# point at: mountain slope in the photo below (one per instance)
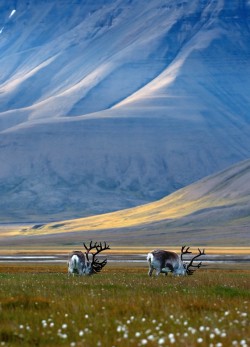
(214, 211)
(220, 198)
(110, 104)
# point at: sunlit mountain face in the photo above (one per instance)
(214, 211)
(106, 105)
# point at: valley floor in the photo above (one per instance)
(42, 306)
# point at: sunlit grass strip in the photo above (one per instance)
(123, 250)
(123, 307)
(149, 213)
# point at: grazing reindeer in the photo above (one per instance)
(77, 263)
(166, 261)
(86, 263)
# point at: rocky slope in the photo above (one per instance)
(106, 105)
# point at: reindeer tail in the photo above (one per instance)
(75, 265)
(150, 257)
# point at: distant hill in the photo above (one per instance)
(213, 211)
(106, 105)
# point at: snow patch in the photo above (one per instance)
(12, 13)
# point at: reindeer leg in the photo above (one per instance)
(150, 271)
(168, 268)
(158, 272)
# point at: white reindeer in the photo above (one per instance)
(167, 261)
(85, 263)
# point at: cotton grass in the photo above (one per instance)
(120, 308)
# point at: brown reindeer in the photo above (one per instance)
(167, 261)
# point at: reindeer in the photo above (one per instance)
(86, 263)
(166, 261)
(76, 263)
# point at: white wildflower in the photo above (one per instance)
(161, 341)
(119, 328)
(44, 323)
(151, 337)
(217, 331)
(63, 336)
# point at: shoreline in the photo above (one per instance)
(120, 250)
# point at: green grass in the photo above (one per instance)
(122, 306)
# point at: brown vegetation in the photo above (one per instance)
(42, 306)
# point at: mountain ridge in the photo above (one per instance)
(109, 105)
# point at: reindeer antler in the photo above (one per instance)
(88, 249)
(184, 251)
(96, 264)
(190, 271)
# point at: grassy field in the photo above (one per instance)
(122, 306)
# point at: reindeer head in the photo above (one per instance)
(188, 266)
(93, 265)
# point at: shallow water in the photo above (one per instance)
(128, 258)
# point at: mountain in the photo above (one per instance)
(106, 105)
(213, 211)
